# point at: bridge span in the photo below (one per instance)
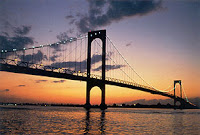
(59, 60)
(64, 74)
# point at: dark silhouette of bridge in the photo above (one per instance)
(26, 61)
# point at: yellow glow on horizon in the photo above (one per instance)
(71, 91)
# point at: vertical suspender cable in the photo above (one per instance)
(85, 52)
(70, 56)
(32, 55)
(42, 55)
(110, 55)
(24, 55)
(80, 54)
(75, 55)
(49, 51)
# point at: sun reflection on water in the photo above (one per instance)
(68, 120)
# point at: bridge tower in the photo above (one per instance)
(175, 82)
(101, 34)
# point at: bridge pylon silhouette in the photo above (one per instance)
(175, 100)
(92, 35)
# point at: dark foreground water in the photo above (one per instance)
(67, 120)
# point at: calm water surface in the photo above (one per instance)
(67, 120)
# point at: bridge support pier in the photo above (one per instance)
(87, 104)
(103, 105)
(90, 85)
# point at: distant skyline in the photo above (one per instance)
(160, 40)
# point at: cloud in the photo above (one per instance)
(39, 81)
(129, 44)
(18, 40)
(70, 31)
(60, 81)
(105, 12)
(22, 30)
(63, 36)
(38, 57)
(21, 85)
(96, 58)
(5, 90)
(6, 24)
(69, 17)
(53, 58)
(109, 67)
(80, 66)
(72, 21)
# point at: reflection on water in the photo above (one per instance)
(66, 120)
(88, 127)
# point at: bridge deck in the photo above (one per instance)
(77, 76)
(40, 70)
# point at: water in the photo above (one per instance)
(69, 120)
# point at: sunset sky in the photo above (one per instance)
(160, 40)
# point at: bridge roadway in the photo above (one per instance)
(35, 69)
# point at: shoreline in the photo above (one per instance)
(23, 107)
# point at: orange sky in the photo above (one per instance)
(25, 88)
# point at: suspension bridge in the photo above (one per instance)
(92, 58)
